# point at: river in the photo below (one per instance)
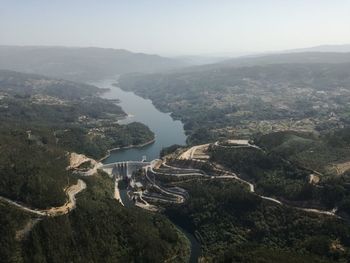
(167, 132)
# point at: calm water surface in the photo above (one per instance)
(167, 131)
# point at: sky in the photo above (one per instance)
(176, 27)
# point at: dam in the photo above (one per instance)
(124, 170)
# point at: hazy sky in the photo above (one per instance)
(176, 26)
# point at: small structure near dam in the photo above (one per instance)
(124, 170)
(140, 190)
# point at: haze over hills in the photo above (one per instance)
(91, 63)
(324, 48)
(306, 56)
(288, 58)
(81, 64)
(201, 59)
(263, 88)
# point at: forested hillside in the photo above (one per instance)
(234, 225)
(44, 119)
(101, 230)
(81, 64)
(230, 100)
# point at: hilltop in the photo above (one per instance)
(81, 64)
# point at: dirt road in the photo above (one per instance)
(71, 192)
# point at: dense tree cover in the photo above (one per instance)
(320, 153)
(253, 252)
(338, 138)
(286, 180)
(272, 175)
(11, 220)
(234, 225)
(33, 162)
(95, 142)
(101, 230)
(170, 149)
(36, 99)
(41, 119)
(221, 101)
(20, 84)
(89, 109)
(316, 152)
(32, 169)
(305, 96)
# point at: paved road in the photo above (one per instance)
(179, 198)
(189, 155)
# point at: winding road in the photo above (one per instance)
(190, 155)
(71, 192)
(179, 198)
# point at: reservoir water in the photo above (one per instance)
(167, 131)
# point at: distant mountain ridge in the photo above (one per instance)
(271, 59)
(81, 64)
(289, 58)
(200, 60)
(324, 48)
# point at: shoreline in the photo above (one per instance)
(126, 116)
(127, 147)
(113, 84)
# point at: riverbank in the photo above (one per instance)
(195, 247)
(110, 151)
(167, 131)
